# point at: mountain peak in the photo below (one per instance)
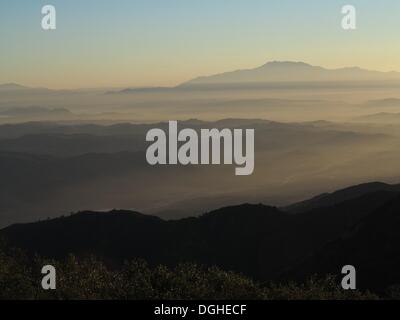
(291, 64)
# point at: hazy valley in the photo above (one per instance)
(317, 129)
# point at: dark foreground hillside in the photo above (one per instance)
(373, 245)
(261, 242)
(90, 278)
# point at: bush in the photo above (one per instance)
(315, 289)
(91, 279)
(15, 276)
(393, 292)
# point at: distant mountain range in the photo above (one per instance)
(381, 117)
(15, 87)
(12, 86)
(357, 225)
(34, 111)
(388, 102)
(277, 73)
(288, 71)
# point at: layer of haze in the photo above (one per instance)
(85, 149)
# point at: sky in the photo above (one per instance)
(136, 43)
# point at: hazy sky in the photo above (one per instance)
(165, 42)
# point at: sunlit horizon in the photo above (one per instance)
(164, 43)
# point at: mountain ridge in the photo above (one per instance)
(328, 199)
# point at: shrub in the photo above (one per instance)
(91, 279)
